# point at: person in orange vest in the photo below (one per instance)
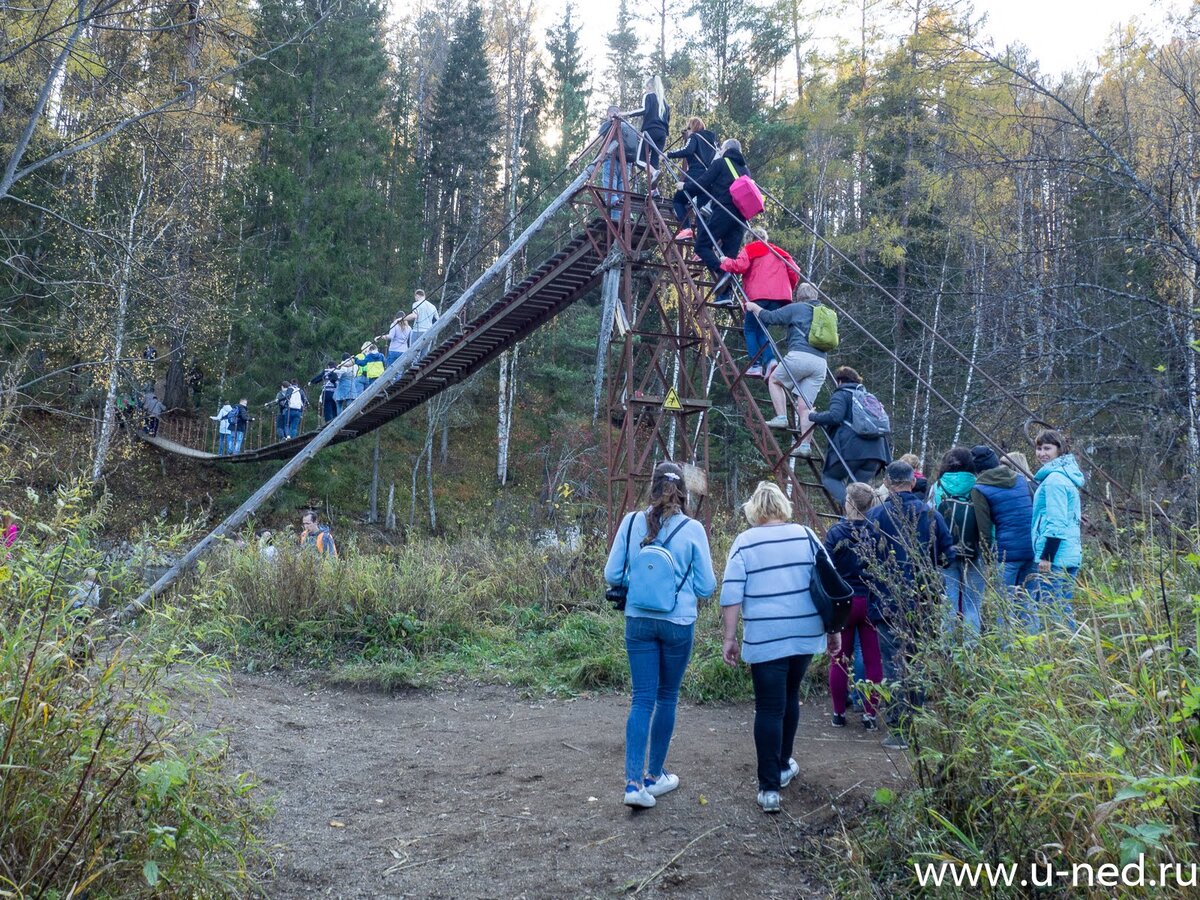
(316, 535)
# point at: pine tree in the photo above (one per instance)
(462, 158)
(624, 60)
(572, 93)
(315, 214)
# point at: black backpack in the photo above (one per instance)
(959, 513)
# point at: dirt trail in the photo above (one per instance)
(478, 792)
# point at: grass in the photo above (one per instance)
(105, 789)
(500, 611)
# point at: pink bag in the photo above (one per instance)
(745, 194)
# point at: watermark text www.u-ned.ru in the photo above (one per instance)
(1134, 874)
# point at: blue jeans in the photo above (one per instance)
(236, 439)
(965, 583)
(1017, 585)
(612, 178)
(658, 656)
(293, 422)
(392, 356)
(223, 443)
(756, 337)
(1051, 598)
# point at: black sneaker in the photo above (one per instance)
(839, 720)
(870, 723)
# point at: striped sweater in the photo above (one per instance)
(768, 573)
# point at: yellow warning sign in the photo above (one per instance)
(671, 401)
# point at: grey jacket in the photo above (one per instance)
(629, 137)
(798, 319)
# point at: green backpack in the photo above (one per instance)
(823, 334)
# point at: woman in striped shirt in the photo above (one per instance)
(767, 582)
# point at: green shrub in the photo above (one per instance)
(104, 790)
(1057, 747)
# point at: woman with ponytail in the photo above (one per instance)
(658, 636)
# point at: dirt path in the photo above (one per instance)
(478, 792)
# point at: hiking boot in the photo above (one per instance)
(895, 741)
(685, 235)
(664, 784)
(839, 720)
(754, 371)
(769, 801)
(638, 797)
(786, 775)
(780, 421)
(870, 723)
(804, 451)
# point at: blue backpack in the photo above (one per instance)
(654, 585)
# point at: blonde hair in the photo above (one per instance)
(860, 499)
(912, 459)
(768, 503)
(761, 233)
(806, 292)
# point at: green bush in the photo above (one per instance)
(104, 790)
(1055, 748)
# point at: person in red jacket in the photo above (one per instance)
(769, 276)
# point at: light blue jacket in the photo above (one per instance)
(689, 548)
(1057, 511)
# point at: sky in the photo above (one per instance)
(1060, 33)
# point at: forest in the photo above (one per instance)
(207, 197)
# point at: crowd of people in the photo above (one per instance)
(340, 382)
(917, 554)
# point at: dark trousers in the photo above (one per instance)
(860, 470)
(653, 140)
(896, 649)
(726, 232)
(329, 407)
(776, 714)
(683, 209)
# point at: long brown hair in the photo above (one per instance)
(668, 495)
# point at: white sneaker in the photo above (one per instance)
(639, 797)
(769, 801)
(664, 784)
(786, 775)
(754, 371)
(778, 422)
(804, 451)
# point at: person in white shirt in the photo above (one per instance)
(224, 444)
(296, 402)
(423, 316)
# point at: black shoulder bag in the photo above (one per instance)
(831, 595)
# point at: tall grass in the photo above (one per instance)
(105, 791)
(1056, 748)
(495, 610)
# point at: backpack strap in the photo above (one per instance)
(687, 573)
(628, 532)
(732, 170)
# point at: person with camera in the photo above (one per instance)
(659, 565)
(768, 584)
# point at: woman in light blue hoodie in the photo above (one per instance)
(658, 641)
(1057, 538)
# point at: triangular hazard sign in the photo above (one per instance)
(671, 401)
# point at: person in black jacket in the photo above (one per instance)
(328, 379)
(656, 123)
(697, 154)
(850, 457)
(725, 227)
(847, 542)
(909, 546)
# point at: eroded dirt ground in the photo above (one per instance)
(476, 791)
